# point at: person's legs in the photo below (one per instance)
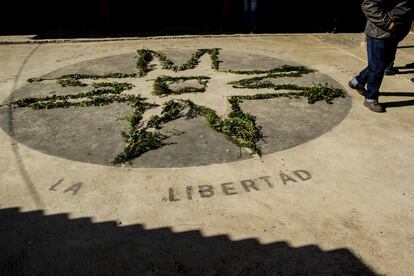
(359, 82)
(379, 54)
(253, 15)
(376, 66)
(391, 70)
(391, 52)
(362, 78)
(225, 15)
(247, 13)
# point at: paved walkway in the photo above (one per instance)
(339, 202)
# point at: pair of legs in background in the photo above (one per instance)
(381, 54)
(250, 15)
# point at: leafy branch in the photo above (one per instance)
(162, 85)
(146, 56)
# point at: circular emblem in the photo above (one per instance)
(173, 108)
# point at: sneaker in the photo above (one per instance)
(374, 106)
(391, 71)
(357, 86)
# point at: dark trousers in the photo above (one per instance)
(250, 14)
(381, 52)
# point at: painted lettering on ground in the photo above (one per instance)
(206, 191)
(72, 188)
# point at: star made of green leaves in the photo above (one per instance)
(145, 135)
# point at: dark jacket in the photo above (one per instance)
(380, 14)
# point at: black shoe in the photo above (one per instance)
(359, 88)
(374, 106)
(391, 71)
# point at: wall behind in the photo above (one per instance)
(159, 17)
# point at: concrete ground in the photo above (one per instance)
(339, 202)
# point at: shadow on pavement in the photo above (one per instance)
(33, 243)
(398, 103)
(406, 47)
(397, 94)
(405, 72)
(407, 69)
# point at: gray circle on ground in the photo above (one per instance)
(93, 134)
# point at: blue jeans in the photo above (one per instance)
(381, 52)
(250, 14)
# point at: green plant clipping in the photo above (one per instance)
(102, 94)
(300, 70)
(322, 92)
(142, 135)
(239, 127)
(65, 79)
(71, 82)
(146, 56)
(138, 139)
(162, 85)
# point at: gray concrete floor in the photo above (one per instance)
(338, 204)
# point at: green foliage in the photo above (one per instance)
(239, 127)
(161, 86)
(282, 69)
(145, 56)
(73, 77)
(103, 94)
(314, 94)
(267, 96)
(258, 83)
(97, 77)
(322, 92)
(319, 92)
(261, 82)
(50, 102)
(138, 139)
(166, 64)
(35, 80)
(172, 110)
(71, 82)
(117, 87)
(195, 59)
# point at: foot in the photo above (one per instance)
(374, 106)
(357, 86)
(391, 71)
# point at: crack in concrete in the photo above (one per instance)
(15, 147)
